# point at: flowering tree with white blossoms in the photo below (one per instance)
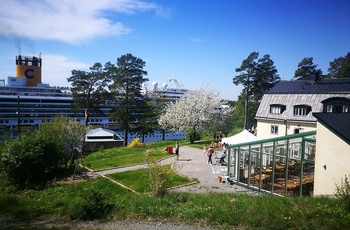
(196, 110)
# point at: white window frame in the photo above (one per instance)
(274, 129)
(329, 108)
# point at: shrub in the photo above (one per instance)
(29, 160)
(343, 191)
(160, 178)
(94, 205)
(134, 143)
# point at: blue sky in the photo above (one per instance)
(197, 42)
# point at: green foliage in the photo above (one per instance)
(68, 133)
(92, 205)
(307, 69)
(128, 77)
(340, 67)
(256, 77)
(343, 191)
(89, 88)
(221, 210)
(139, 180)
(122, 156)
(29, 160)
(239, 113)
(160, 178)
(195, 137)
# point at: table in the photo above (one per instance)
(267, 170)
(263, 178)
(279, 167)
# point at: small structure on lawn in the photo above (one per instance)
(100, 138)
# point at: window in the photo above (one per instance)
(274, 129)
(329, 108)
(336, 105)
(301, 110)
(277, 109)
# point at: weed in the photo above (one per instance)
(94, 205)
(343, 191)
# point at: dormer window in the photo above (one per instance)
(336, 105)
(277, 109)
(301, 110)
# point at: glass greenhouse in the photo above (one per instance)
(281, 166)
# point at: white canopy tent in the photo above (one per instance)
(239, 138)
(242, 137)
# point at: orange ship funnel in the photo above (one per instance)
(29, 68)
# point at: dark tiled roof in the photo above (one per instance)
(312, 87)
(338, 123)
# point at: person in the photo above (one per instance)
(210, 154)
(222, 158)
(224, 153)
(177, 149)
(224, 147)
(205, 149)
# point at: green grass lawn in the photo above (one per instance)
(123, 156)
(139, 180)
(224, 210)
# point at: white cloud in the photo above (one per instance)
(57, 68)
(196, 40)
(70, 21)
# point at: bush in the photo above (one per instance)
(134, 143)
(27, 161)
(343, 191)
(94, 205)
(160, 178)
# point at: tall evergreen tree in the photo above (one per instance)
(307, 70)
(265, 78)
(340, 67)
(89, 89)
(246, 77)
(256, 77)
(128, 76)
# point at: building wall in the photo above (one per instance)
(334, 153)
(264, 128)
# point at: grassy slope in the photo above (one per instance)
(225, 210)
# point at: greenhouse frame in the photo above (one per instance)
(281, 166)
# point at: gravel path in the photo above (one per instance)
(120, 225)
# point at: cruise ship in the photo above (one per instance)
(25, 103)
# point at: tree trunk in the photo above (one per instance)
(246, 110)
(125, 137)
(192, 137)
(87, 115)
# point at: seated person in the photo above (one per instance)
(222, 158)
